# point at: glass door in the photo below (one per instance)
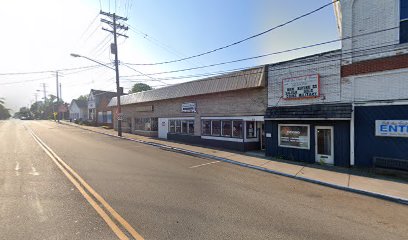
(324, 144)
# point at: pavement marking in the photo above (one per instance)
(17, 168)
(196, 166)
(34, 171)
(74, 178)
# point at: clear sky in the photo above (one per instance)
(40, 35)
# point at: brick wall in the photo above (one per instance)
(248, 102)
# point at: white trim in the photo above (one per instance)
(309, 119)
(300, 125)
(384, 103)
(182, 118)
(229, 139)
(244, 118)
(331, 142)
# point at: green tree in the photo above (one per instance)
(83, 97)
(4, 112)
(140, 87)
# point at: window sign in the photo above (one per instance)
(188, 107)
(301, 87)
(294, 136)
(391, 128)
(250, 129)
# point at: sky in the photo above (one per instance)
(39, 36)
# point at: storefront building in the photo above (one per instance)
(98, 111)
(307, 119)
(375, 80)
(225, 111)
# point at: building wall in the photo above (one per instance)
(367, 145)
(377, 86)
(248, 102)
(327, 65)
(341, 130)
(360, 19)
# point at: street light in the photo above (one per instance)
(118, 89)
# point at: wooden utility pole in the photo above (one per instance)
(114, 50)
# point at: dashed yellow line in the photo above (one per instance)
(74, 178)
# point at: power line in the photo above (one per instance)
(243, 40)
(48, 71)
(269, 54)
(299, 63)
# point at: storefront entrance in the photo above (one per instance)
(324, 144)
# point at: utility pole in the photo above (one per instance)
(45, 92)
(56, 74)
(114, 50)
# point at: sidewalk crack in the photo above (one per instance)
(299, 171)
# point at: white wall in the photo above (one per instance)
(363, 17)
(388, 85)
(327, 65)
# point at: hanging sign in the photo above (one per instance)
(391, 128)
(301, 87)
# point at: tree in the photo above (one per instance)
(140, 87)
(83, 97)
(4, 112)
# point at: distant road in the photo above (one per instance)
(137, 191)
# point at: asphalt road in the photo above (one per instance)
(166, 195)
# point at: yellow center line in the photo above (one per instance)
(60, 163)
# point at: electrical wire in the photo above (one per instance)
(269, 54)
(242, 40)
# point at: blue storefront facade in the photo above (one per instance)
(381, 135)
(312, 146)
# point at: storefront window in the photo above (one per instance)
(146, 124)
(237, 129)
(206, 127)
(178, 126)
(154, 124)
(226, 128)
(184, 128)
(172, 126)
(191, 127)
(250, 130)
(294, 136)
(216, 128)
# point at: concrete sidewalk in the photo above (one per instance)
(389, 190)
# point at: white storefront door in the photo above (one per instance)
(324, 144)
(163, 127)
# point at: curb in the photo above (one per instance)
(212, 157)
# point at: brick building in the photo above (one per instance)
(224, 111)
